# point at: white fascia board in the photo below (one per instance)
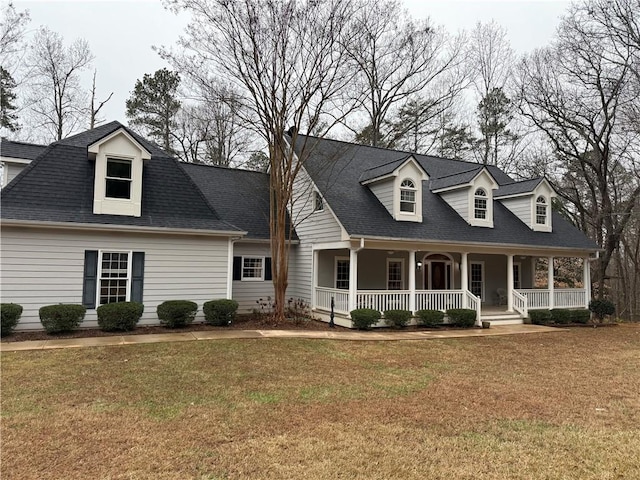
(453, 187)
(513, 195)
(94, 147)
(21, 161)
(120, 228)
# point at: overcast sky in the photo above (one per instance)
(121, 33)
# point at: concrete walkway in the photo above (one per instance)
(227, 334)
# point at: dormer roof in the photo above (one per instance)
(524, 187)
(389, 169)
(459, 180)
(94, 147)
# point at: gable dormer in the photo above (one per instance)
(530, 201)
(398, 186)
(469, 193)
(119, 160)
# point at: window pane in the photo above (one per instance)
(342, 274)
(541, 214)
(119, 169)
(252, 267)
(394, 280)
(118, 188)
(114, 280)
(480, 208)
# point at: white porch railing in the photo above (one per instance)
(538, 298)
(341, 299)
(474, 303)
(383, 299)
(569, 298)
(439, 299)
(520, 303)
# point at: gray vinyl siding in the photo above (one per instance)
(45, 266)
(246, 293)
(520, 207)
(384, 192)
(311, 227)
(459, 201)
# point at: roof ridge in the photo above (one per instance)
(221, 167)
(392, 149)
(4, 139)
(479, 167)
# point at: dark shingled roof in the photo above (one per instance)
(516, 188)
(27, 151)
(336, 168)
(58, 187)
(454, 179)
(382, 170)
(240, 197)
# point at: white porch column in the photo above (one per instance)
(314, 277)
(464, 276)
(509, 283)
(353, 278)
(550, 282)
(412, 281)
(586, 266)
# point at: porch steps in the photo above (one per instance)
(502, 318)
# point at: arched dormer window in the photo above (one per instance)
(407, 196)
(480, 204)
(541, 210)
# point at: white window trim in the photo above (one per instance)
(413, 189)
(335, 270)
(252, 279)
(402, 271)
(484, 197)
(546, 211)
(316, 196)
(482, 270)
(129, 270)
(106, 177)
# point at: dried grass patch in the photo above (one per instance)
(562, 405)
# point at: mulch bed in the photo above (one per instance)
(242, 323)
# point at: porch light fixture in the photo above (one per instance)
(419, 265)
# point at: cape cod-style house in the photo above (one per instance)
(107, 216)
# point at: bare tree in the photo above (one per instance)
(56, 96)
(93, 119)
(12, 30)
(288, 64)
(399, 60)
(575, 93)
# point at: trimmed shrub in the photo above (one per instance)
(430, 318)
(10, 313)
(61, 317)
(364, 318)
(462, 317)
(540, 317)
(118, 316)
(580, 316)
(220, 312)
(177, 313)
(601, 308)
(397, 318)
(560, 316)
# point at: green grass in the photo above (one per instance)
(560, 405)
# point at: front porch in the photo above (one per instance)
(499, 287)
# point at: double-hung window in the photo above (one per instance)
(408, 196)
(118, 179)
(541, 210)
(342, 273)
(480, 204)
(114, 277)
(252, 268)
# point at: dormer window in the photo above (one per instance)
(408, 196)
(541, 210)
(118, 179)
(480, 204)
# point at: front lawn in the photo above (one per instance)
(538, 406)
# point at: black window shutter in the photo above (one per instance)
(267, 269)
(237, 268)
(90, 282)
(137, 276)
